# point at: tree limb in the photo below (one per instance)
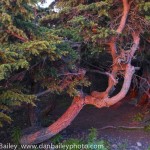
(113, 47)
(103, 101)
(126, 8)
(17, 36)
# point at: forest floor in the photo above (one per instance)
(106, 120)
(125, 115)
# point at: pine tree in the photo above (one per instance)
(120, 28)
(31, 57)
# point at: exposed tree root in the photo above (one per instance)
(122, 127)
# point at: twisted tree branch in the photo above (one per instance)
(101, 99)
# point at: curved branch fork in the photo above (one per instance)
(113, 47)
(78, 103)
(106, 102)
(96, 98)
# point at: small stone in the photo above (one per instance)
(64, 132)
(114, 146)
(139, 144)
(135, 147)
(2, 132)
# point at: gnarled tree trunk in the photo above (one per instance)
(98, 99)
(56, 127)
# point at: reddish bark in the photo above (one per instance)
(56, 127)
(106, 102)
(126, 7)
(133, 93)
(17, 36)
(113, 47)
(74, 109)
(143, 100)
(98, 99)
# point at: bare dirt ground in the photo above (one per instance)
(130, 139)
(91, 117)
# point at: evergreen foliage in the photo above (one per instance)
(94, 22)
(39, 52)
(31, 55)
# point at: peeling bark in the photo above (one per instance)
(17, 36)
(98, 99)
(113, 47)
(126, 8)
(106, 102)
(78, 103)
(64, 121)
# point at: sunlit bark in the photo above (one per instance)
(64, 121)
(98, 99)
(78, 103)
(113, 47)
